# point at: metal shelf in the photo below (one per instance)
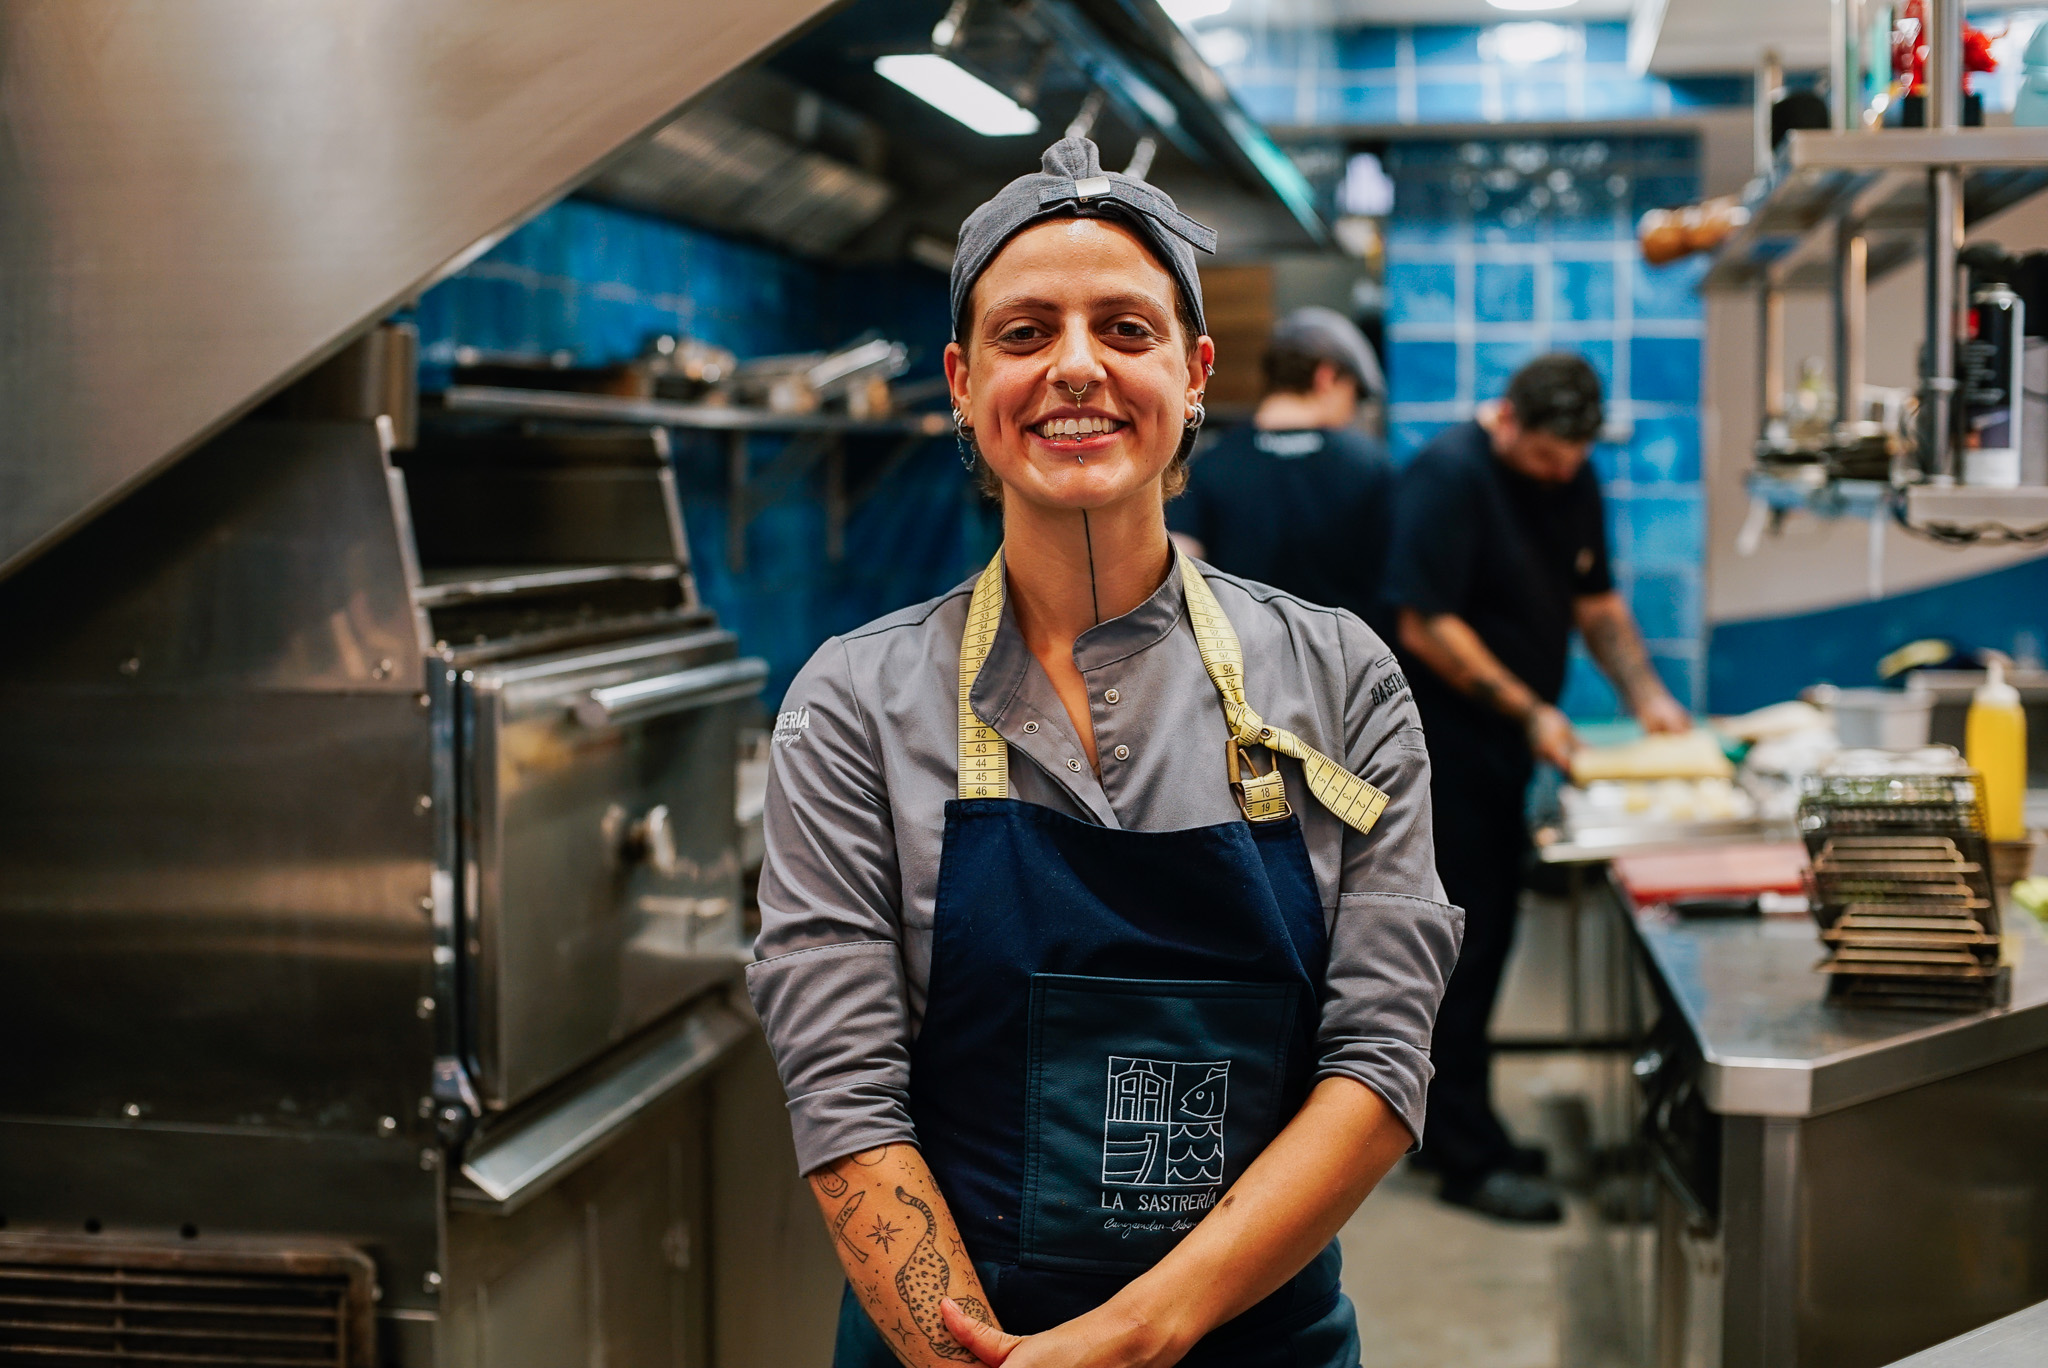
(1960, 508)
(473, 584)
(1971, 505)
(818, 439)
(606, 408)
(1878, 180)
(1810, 490)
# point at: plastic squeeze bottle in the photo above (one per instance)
(2030, 109)
(1995, 736)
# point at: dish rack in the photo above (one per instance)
(1900, 882)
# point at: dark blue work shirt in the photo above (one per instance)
(1308, 511)
(1506, 553)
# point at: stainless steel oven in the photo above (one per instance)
(369, 882)
(599, 863)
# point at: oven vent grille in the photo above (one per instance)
(143, 1303)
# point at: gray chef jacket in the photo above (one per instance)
(864, 758)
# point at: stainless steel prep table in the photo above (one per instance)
(1853, 1185)
(1578, 852)
(2018, 1341)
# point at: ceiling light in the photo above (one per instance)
(1526, 44)
(1366, 188)
(1223, 47)
(1531, 6)
(1186, 12)
(953, 91)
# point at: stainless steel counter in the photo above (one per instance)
(1842, 1187)
(1773, 1047)
(2018, 1341)
(1564, 845)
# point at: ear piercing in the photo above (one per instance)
(964, 436)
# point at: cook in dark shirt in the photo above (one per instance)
(1299, 498)
(1500, 550)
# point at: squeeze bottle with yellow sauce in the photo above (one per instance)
(1995, 737)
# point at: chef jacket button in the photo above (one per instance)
(1030, 726)
(1112, 696)
(1123, 752)
(1073, 764)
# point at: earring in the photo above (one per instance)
(1198, 417)
(964, 435)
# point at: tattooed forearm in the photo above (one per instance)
(890, 1224)
(925, 1279)
(1612, 639)
(1447, 644)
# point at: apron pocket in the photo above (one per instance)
(1145, 1100)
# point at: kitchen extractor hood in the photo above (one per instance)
(200, 201)
(761, 157)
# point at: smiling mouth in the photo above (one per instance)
(1076, 431)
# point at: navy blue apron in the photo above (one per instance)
(1117, 1024)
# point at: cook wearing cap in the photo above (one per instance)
(1300, 497)
(1100, 939)
(1500, 550)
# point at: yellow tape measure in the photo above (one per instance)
(984, 756)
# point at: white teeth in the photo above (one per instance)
(1076, 427)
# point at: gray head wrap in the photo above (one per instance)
(1329, 336)
(1074, 185)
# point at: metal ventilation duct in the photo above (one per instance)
(200, 201)
(712, 168)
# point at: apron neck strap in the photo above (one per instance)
(985, 757)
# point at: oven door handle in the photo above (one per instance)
(698, 687)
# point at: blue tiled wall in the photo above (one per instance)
(1497, 251)
(1766, 660)
(598, 281)
(1434, 74)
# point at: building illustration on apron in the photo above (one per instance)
(1163, 1123)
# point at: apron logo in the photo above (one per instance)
(790, 726)
(1162, 1127)
(1390, 685)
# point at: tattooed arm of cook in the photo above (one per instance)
(901, 1250)
(1616, 643)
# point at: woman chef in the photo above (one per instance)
(1101, 939)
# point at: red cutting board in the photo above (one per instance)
(1775, 867)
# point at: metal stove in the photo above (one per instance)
(368, 882)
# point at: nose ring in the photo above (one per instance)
(1077, 391)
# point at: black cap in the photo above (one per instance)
(1072, 184)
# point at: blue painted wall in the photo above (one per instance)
(1438, 74)
(1764, 660)
(598, 281)
(1498, 251)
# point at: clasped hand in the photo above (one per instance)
(1107, 1337)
